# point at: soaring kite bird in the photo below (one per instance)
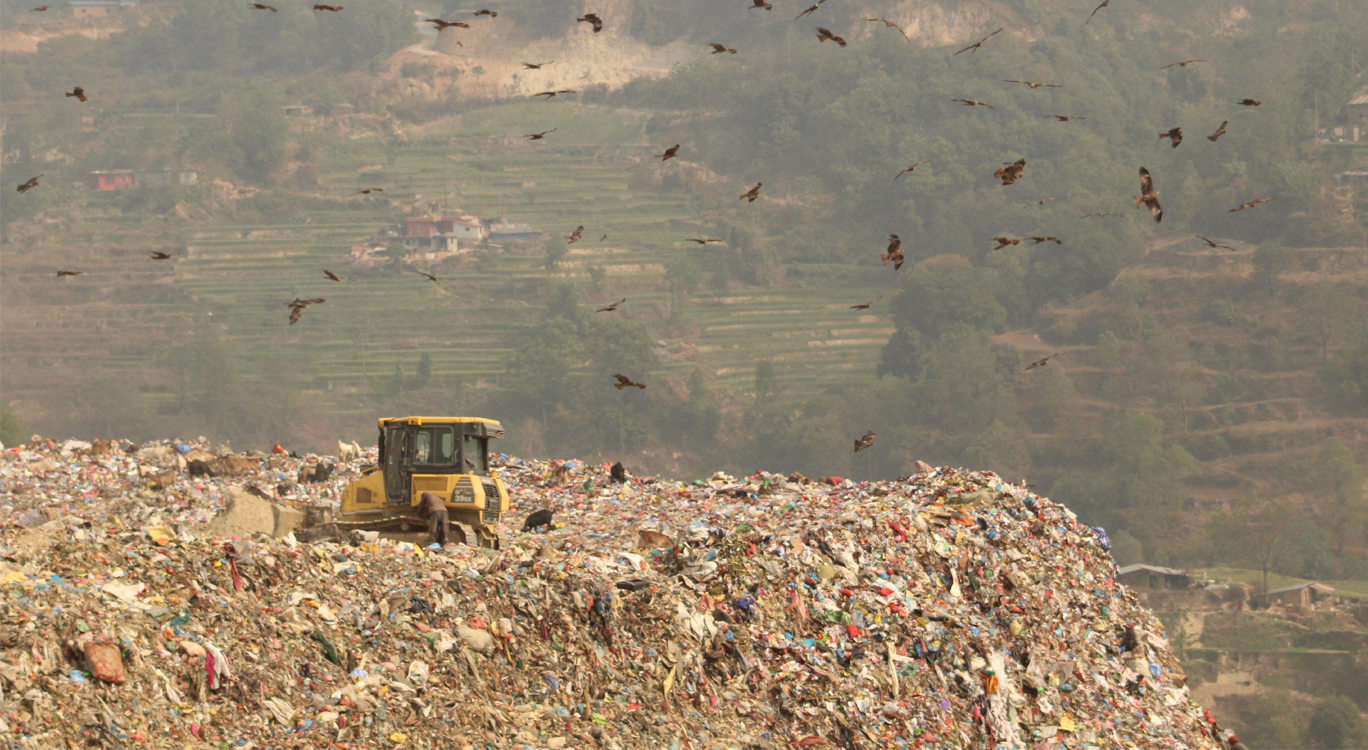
(575, 235)
(975, 46)
(810, 9)
(1011, 172)
(27, 186)
(670, 153)
(761, 4)
(485, 12)
(440, 24)
(866, 305)
(79, 93)
(1212, 243)
(1066, 118)
(1250, 204)
(895, 252)
(825, 34)
(333, 8)
(1182, 64)
(750, 195)
(625, 382)
(1041, 363)
(1219, 131)
(1039, 240)
(550, 94)
(541, 135)
(1249, 102)
(703, 241)
(430, 277)
(1175, 135)
(1104, 4)
(1034, 85)
(888, 24)
(720, 48)
(536, 66)
(259, 6)
(60, 274)
(593, 20)
(1004, 242)
(159, 255)
(864, 442)
(909, 169)
(331, 276)
(1149, 197)
(368, 191)
(611, 308)
(973, 102)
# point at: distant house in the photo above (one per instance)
(1300, 595)
(507, 230)
(120, 179)
(442, 233)
(334, 110)
(1153, 577)
(1357, 109)
(298, 110)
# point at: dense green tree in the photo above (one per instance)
(1336, 724)
(254, 129)
(13, 429)
(1269, 536)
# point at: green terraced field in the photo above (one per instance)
(240, 275)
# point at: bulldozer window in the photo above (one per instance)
(434, 446)
(476, 455)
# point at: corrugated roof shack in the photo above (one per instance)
(1357, 108)
(1304, 595)
(1153, 577)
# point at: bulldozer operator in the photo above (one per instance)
(439, 525)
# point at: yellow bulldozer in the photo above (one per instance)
(447, 456)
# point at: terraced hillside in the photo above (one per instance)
(595, 170)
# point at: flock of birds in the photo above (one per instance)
(1009, 173)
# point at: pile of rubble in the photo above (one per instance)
(948, 609)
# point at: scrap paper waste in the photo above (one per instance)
(948, 609)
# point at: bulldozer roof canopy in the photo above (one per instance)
(492, 426)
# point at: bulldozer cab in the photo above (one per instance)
(414, 445)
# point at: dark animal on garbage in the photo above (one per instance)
(618, 473)
(649, 540)
(162, 480)
(198, 468)
(540, 518)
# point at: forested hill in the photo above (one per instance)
(1191, 380)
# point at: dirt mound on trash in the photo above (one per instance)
(243, 514)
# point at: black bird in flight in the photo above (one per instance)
(1041, 363)
(703, 241)
(260, 6)
(331, 276)
(1034, 85)
(1249, 102)
(1212, 243)
(625, 382)
(1011, 172)
(909, 169)
(866, 305)
(593, 20)
(888, 24)
(1175, 135)
(159, 255)
(550, 94)
(670, 153)
(536, 66)
(1040, 202)
(973, 103)
(430, 277)
(368, 191)
(1005, 242)
(1149, 197)
(750, 195)
(1219, 131)
(575, 235)
(1066, 118)
(27, 186)
(810, 9)
(79, 93)
(1250, 204)
(864, 442)
(60, 274)
(1039, 240)
(611, 308)
(42, 8)
(1182, 64)
(975, 46)
(761, 4)
(1104, 4)
(333, 8)
(486, 12)
(720, 48)
(539, 136)
(440, 24)
(894, 253)
(825, 34)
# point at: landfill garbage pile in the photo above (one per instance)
(949, 609)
